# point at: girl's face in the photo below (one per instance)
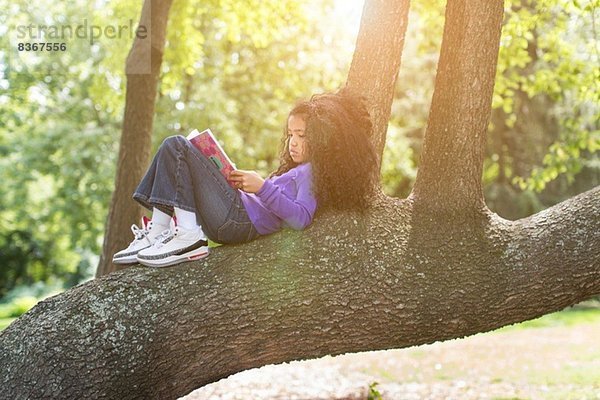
(296, 131)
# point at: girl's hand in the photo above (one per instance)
(248, 181)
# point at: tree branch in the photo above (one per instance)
(376, 60)
(450, 170)
(396, 277)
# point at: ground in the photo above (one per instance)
(556, 357)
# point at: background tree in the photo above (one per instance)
(545, 129)
(142, 69)
(349, 283)
(57, 135)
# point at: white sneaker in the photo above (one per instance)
(145, 237)
(175, 246)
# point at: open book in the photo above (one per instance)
(207, 144)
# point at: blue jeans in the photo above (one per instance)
(181, 176)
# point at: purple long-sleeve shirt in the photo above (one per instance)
(283, 201)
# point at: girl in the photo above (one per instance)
(326, 159)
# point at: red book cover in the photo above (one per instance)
(207, 144)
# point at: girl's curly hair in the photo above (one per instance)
(338, 140)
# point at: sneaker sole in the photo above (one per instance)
(126, 260)
(195, 254)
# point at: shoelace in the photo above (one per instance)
(164, 235)
(138, 232)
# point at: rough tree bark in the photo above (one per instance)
(405, 273)
(142, 70)
(383, 22)
(449, 175)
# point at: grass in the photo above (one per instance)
(552, 357)
(581, 374)
(571, 317)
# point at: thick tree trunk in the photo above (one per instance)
(142, 69)
(398, 277)
(405, 273)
